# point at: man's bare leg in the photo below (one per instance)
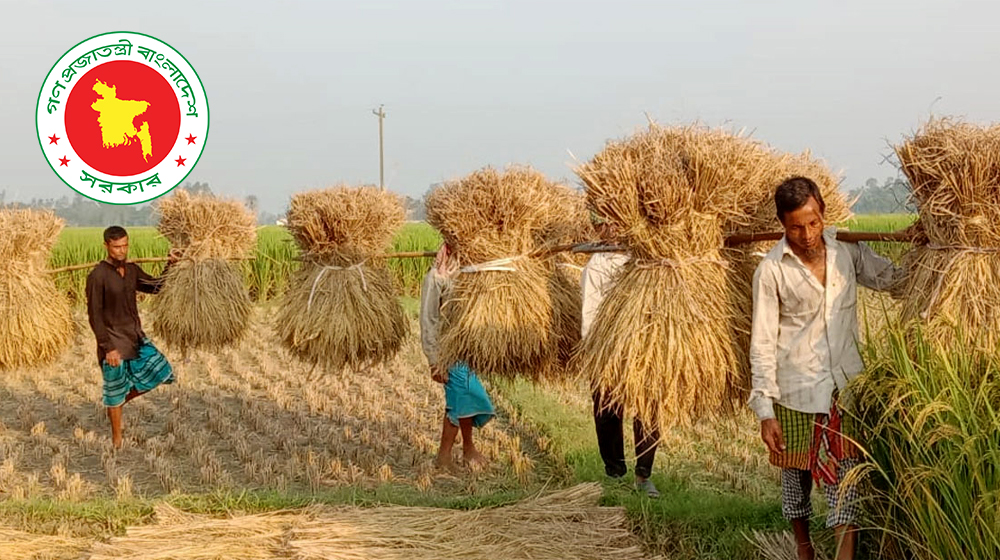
(847, 539)
(470, 454)
(449, 432)
(802, 540)
(115, 416)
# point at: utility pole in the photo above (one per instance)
(381, 165)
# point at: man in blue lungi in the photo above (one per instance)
(467, 405)
(129, 362)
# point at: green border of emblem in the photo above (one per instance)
(208, 118)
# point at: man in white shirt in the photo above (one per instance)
(599, 276)
(803, 353)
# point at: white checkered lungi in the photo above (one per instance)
(796, 487)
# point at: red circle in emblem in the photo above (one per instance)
(122, 118)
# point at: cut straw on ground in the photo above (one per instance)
(568, 524)
(20, 545)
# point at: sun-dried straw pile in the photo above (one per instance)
(341, 308)
(669, 342)
(19, 545)
(35, 319)
(499, 315)
(566, 524)
(204, 302)
(954, 286)
(183, 536)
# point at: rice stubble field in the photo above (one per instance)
(250, 429)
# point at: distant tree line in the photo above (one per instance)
(79, 211)
(893, 196)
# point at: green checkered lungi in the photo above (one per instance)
(143, 373)
(797, 429)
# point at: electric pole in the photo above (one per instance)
(381, 165)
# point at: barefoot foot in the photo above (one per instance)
(443, 461)
(474, 458)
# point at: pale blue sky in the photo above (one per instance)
(466, 84)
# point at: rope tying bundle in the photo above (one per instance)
(355, 266)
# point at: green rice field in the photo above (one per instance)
(883, 222)
(276, 253)
(265, 275)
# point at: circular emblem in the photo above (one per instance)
(122, 118)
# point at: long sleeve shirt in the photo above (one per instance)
(112, 309)
(598, 277)
(803, 342)
(432, 294)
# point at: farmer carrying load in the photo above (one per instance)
(803, 353)
(129, 362)
(467, 405)
(599, 276)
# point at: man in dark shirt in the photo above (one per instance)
(129, 362)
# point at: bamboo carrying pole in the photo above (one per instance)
(902, 236)
(71, 268)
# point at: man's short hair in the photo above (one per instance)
(114, 233)
(794, 193)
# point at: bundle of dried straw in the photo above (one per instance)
(35, 319)
(669, 341)
(954, 286)
(570, 225)
(204, 301)
(341, 307)
(507, 313)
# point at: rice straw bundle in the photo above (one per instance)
(204, 302)
(35, 319)
(570, 225)
(669, 342)
(341, 306)
(499, 317)
(954, 286)
(567, 306)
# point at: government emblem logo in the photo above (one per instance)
(122, 118)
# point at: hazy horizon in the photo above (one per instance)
(467, 84)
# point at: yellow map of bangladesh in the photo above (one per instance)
(115, 118)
